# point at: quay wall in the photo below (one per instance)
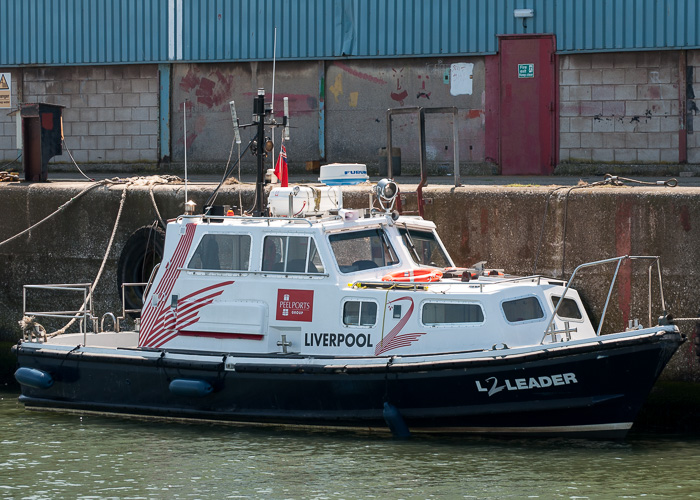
(502, 225)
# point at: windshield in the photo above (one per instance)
(424, 247)
(359, 250)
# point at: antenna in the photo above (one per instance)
(272, 105)
(234, 118)
(184, 133)
(286, 119)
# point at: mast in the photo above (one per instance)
(260, 151)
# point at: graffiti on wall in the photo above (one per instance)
(211, 90)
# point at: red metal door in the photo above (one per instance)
(527, 105)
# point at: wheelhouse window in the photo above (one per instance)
(216, 252)
(359, 313)
(424, 247)
(291, 254)
(523, 309)
(440, 313)
(568, 309)
(359, 250)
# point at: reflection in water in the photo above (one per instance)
(46, 455)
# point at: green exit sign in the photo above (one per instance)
(526, 70)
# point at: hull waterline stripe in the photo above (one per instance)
(550, 429)
(618, 427)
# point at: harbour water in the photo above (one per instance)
(50, 455)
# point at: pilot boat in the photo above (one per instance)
(315, 315)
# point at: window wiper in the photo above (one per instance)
(411, 245)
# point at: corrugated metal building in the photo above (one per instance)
(593, 80)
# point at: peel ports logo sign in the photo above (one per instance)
(295, 305)
(491, 385)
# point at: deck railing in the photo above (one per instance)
(618, 260)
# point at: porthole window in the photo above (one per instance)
(441, 313)
(522, 309)
(291, 254)
(359, 313)
(568, 309)
(216, 252)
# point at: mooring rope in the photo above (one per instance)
(608, 180)
(66, 204)
(73, 160)
(140, 181)
(88, 297)
(11, 162)
(155, 206)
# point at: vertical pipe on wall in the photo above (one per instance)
(682, 107)
(322, 110)
(164, 113)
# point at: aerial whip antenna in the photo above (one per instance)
(184, 134)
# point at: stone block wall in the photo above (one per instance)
(110, 116)
(692, 105)
(619, 107)
(8, 125)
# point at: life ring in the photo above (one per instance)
(414, 276)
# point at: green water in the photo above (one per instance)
(47, 455)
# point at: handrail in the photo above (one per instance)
(86, 313)
(249, 219)
(148, 285)
(619, 260)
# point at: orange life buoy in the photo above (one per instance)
(414, 275)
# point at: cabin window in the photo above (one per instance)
(359, 313)
(360, 250)
(424, 247)
(216, 252)
(568, 309)
(523, 309)
(291, 254)
(439, 313)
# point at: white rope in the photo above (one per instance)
(84, 191)
(155, 207)
(102, 267)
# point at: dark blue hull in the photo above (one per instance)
(592, 390)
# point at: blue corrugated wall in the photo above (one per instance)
(53, 32)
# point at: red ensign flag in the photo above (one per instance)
(281, 166)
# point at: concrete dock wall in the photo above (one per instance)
(501, 225)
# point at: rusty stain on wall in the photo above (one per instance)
(685, 218)
(623, 246)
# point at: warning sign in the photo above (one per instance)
(5, 90)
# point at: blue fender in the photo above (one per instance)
(190, 387)
(395, 421)
(33, 377)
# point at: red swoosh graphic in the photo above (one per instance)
(394, 340)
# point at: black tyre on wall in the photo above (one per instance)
(141, 253)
